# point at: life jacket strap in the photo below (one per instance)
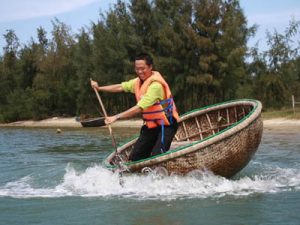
(168, 110)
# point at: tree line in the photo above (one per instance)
(200, 47)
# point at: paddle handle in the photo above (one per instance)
(105, 115)
(120, 167)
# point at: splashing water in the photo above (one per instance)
(100, 182)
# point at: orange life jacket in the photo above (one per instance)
(156, 114)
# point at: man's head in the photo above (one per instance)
(143, 66)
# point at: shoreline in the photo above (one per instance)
(282, 124)
(61, 122)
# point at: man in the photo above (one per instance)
(155, 102)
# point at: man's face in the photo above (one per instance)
(142, 69)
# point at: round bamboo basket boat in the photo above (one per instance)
(221, 138)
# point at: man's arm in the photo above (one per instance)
(108, 88)
(126, 114)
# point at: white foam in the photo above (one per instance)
(100, 182)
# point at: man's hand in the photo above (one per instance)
(110, 119)
(94, 85)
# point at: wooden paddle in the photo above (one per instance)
(118, 162)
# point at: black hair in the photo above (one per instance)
(144, 56)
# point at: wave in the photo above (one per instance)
(97, 181)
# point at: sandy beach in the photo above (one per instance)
(60, 122)
(282, 124)
(67, 122)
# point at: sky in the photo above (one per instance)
(24, 17)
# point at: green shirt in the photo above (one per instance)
(154, 93)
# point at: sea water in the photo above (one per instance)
(57, 178)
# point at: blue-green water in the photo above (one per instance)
(50, 178)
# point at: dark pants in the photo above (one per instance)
(149, 142)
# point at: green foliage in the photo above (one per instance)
(17, 107)
(200, 47)
(84, 70)
(276, 71)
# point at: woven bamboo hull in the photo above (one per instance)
(221, 138)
